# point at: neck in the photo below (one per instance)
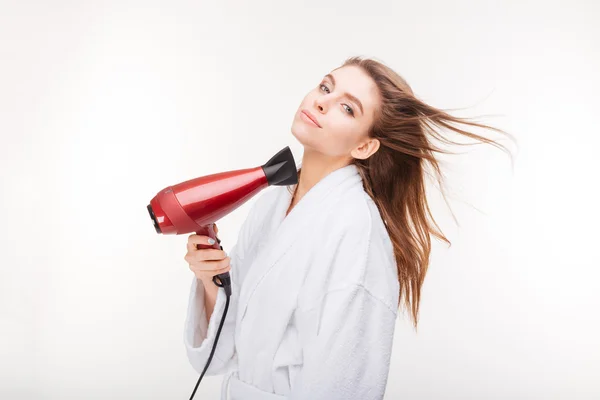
(315, 166)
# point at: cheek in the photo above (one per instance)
(343, 133)
(308, 100)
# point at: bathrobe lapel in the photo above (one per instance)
(282, 231)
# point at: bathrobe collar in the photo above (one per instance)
(282, 230)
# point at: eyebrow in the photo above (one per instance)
(351, 97)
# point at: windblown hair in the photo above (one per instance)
(395, 175)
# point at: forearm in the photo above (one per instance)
(210, 297)
(201, 328)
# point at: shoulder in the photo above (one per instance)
(257, 207)
(357, 213)
(382, 279)
(265, 199)
(361, 250)
(261, 205)
(352, 213)
(379, 274)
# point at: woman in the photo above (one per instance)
(318, 274)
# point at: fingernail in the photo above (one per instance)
(211, 240)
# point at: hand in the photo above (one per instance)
(206, 263)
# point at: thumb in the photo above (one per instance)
(216, 229)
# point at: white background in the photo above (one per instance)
(103, 104)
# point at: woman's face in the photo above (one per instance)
(344, 104)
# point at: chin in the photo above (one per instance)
(299, 134)
(307, 139)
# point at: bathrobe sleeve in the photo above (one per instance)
(346, 333)
(199, 335)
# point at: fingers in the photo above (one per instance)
(223, 270)
(216, 230)
(194, 240)
(205, 255)
(212, 267)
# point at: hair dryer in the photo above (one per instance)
(195, 205)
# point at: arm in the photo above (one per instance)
(210, 297)
(346, 331)
(201, 327)
(347, 345)
(200, 330)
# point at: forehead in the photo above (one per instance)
(355, 81)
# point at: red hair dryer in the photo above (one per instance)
(195, 205)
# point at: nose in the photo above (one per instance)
(321, 104)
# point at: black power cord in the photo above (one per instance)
(228, 294)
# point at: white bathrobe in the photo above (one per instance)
(314, 299)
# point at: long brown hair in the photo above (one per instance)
(394, 176)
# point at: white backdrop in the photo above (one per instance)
(102, 104)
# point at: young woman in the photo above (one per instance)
(318, 273)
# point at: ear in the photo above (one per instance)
(366, 149)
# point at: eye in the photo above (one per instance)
(350, 111)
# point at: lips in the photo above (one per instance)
(311, 117)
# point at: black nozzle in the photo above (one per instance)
(281, 170)
(154, 221)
